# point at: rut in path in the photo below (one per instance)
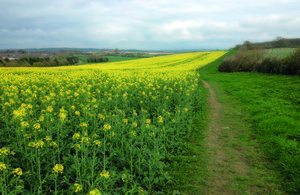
(222, 166)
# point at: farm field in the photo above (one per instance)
(107, 128)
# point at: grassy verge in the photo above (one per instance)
(271, 104)
(189, 170)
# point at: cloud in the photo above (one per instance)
(141, 24)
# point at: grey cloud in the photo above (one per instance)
(145, 24)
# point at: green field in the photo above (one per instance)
(271, 104)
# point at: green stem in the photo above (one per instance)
(94, 156)
(39, 165)
(56, 184)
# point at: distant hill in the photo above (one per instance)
(103, 49)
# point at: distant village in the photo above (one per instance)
(15, 54)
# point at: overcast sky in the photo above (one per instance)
(141, 24)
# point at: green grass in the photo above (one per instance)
(271, 104)
(189, 170)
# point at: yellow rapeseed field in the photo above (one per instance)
(97, 129)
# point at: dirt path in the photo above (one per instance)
(226, 163)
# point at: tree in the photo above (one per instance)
(117, 51)
(21, 51)
(6, 60)
(248, 45)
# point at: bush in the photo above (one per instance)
(254, 60)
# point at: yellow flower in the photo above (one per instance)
(160, 119)
(97, 142)
(53, 144)
(101, 116)
(106, 127)
(37, 126)
(58, 168)
(124, 177)
(17, 171)
(48, 138)
(2, 166)
(148, 121)
(105, 174)
(76, 136)
(125, 121)
(78, 146)
(49, 109)
(77, 113)
(185, 109)
(78, 187)
(134, 124)
(62, 116)
(95, 192)
(83, 125)
(85, 140)
(4, 151)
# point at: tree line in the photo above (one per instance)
(33, 61)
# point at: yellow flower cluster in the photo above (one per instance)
(63, 114)
(53, 144)
(105, 174)
(37, 144)
(106, 127)
(97, 142)
(95, 192)
(160, 119)
(85, 140)
(58, 168)
(24, 124)
(125, 121)
(49, 109)
(78, 187)
(37, 126)
(124, 177)
(83, 124)
(2, 166)
(17, 171)
(76, 136)
(47, 138)
(5, 151)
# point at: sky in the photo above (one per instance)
(145, 24)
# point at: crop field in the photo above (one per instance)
(97, 129)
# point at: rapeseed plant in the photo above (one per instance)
(93, 118)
